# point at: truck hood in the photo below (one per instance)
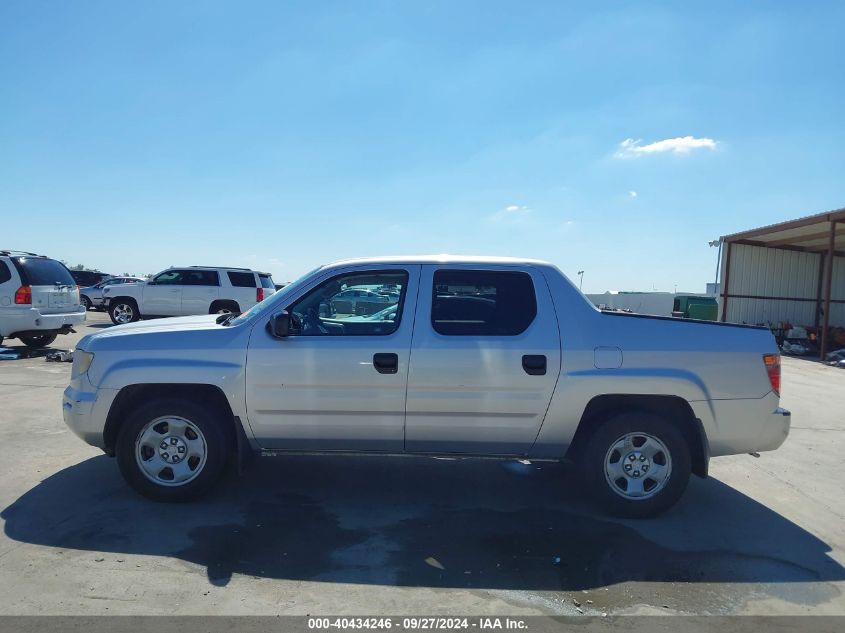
(175, 325)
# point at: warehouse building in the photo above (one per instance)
(788, 274)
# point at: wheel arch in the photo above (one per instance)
(131, 395)
(219, 303)
(673, 408)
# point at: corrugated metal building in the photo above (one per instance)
(789, 272)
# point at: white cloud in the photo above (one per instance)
(630, 148)
(511, 213)
(632, 194)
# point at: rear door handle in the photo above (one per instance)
(386, 363)
(534, 364)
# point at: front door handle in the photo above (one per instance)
(534, 364)
(386, 363)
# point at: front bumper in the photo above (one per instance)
(85, 410)
(13, 320)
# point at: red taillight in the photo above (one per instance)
(23, 295)
(259, 294)
(772, 363)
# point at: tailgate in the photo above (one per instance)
(55, 299)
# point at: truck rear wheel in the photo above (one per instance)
(172, 449)
(636, 465)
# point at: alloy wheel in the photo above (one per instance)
(637, 466)
(171, 451)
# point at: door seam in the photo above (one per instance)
(410, 355)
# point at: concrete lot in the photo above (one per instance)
(353, 536)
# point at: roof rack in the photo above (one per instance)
(14, 252)
(223, 267)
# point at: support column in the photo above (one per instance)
(726, 283)
(819, 287)
(827, 288)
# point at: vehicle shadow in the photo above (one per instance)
(421, 522)
(19, 351)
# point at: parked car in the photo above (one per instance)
(38, 299)
(185, 291)
(354, 300)
(86, 278)
(92, 296)
(483, 357)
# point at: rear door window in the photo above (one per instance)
(5, 273)
(200, 278)
(40, 271)
(482, 303)
(266, 281)
(241, 280)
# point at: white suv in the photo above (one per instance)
(38, 299)
(187, 291)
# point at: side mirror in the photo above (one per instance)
(279, 325)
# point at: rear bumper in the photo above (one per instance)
(777, 427)
(743, 426)
(14, 320)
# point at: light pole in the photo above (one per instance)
(581, 281)
(718, 262)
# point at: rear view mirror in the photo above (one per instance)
(279, 325)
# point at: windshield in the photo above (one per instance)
(40, 271)
(259, 307)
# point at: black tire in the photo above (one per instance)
(122, 306)
(224, 307)
(214, 430)
(86, 302)
(38, 340)
(610, 494)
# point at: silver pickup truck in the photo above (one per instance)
(473, 357)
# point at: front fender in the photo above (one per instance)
(226, 375)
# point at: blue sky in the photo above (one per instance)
(617, 139)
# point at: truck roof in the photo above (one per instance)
(439, 259)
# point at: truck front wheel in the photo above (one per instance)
(123, 311)
(636, 465)
(171, 449)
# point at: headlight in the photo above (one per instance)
(81, 362)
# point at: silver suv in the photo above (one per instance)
(38, 298)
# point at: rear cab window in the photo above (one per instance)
(482, 303)
(42, 271)
(266, 281)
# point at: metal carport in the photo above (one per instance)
(788, 272)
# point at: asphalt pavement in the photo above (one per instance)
(346, 535)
